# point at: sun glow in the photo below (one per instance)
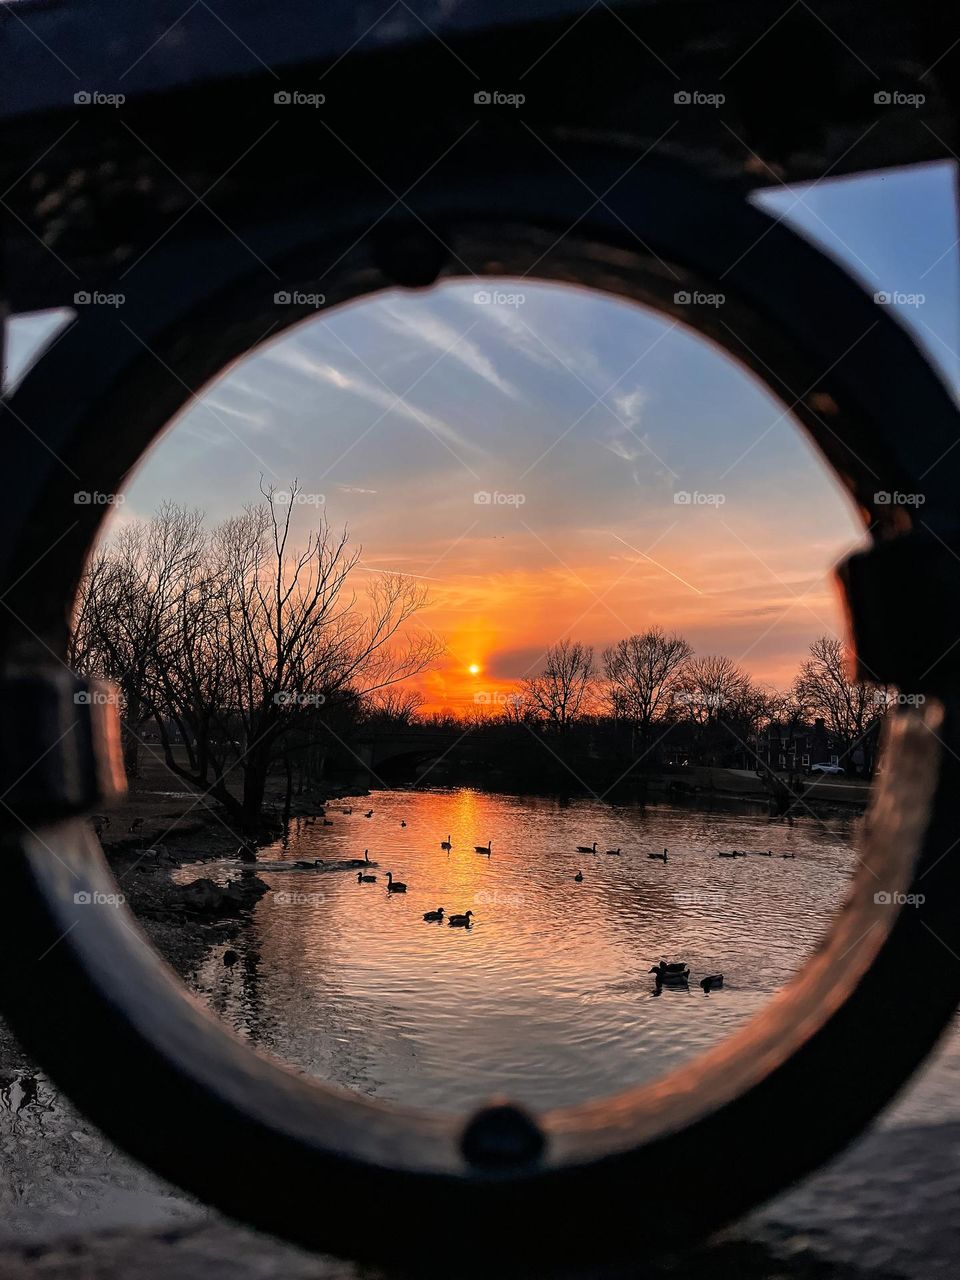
(474, 669)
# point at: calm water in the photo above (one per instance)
(547, 997)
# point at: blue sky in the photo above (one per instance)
(401, 408)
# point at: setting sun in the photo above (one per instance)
(473, 669)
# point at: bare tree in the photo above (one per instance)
(712, 686)
(395, 706)
(126, 600)
(644, 672)
(559, 693)
(849, 708)
(234, 642)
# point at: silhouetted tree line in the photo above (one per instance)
(651, 700)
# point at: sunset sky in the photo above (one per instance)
(399, 410)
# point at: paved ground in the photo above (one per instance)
(887, 1208)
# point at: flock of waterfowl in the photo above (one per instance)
(671, 975)
(677, 974)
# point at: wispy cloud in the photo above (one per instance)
(430, 330)
(319, 370)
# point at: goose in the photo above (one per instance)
(666, 979)
(732, 854)
(434, 915)
(368, 814)
(362, 879)
(395, 886)
(579, 877)
(788, 855)
(582, 848)
(614, 853)
(483, 848)
(711, 982)
(461, 922)
(445, 844)
(658, 857)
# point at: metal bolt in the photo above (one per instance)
(502, 1136)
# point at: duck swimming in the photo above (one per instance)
(362, 879)
(579, 877)
(711, 982)
(434, 915)
(664, 978)
(614, 853)
(309, 866)
(462, 922)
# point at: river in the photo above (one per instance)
(547, 997)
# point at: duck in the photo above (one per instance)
(663, 967)
(395, 886)
(461, 922)
(582, 848)
(362, 879)
(579, 877)
(328, 822)
(368, 814)
(484, 848)
(614, 853)
(230, 958)
(711, 982)
(666, 979)
(302, 865)
(346, 811)
(658, 857)
(403, 824)
(732, 854)
(434, 915)
(788, 855)
(445, 844)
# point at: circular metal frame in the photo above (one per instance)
(170, 1083)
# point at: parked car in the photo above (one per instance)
(826, 768)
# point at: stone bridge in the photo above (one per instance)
(380, 748)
